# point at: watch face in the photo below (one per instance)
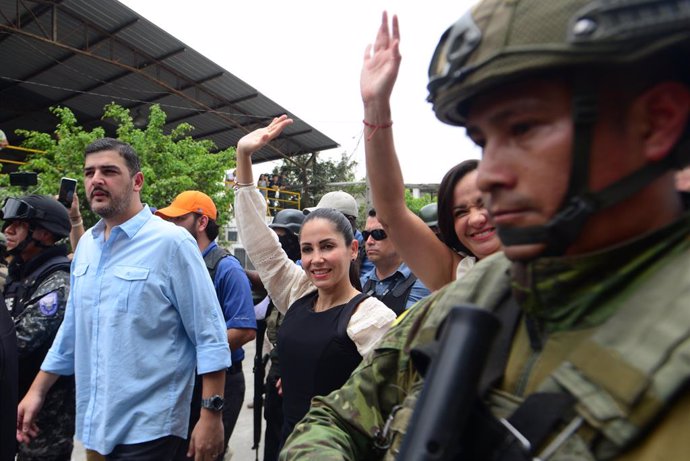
(214, 403)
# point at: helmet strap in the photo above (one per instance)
(580, 203)
(16, 251)
(577, 204)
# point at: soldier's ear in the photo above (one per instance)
(662, 114)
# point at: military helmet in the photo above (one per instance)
(39, 210)
(500, 41)
(429, 214)
(504, 41)
(289, 219)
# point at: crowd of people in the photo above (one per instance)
(568, 240)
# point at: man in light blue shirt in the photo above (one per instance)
(390, 280)
(141, 315)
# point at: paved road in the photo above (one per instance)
(243, 436)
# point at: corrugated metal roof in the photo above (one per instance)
(84, 54)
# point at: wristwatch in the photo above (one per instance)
(213, 403)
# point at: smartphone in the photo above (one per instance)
(23, 178)
(67, 188)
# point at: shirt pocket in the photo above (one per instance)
(79, 274)
(131, 280)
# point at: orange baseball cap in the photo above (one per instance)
(191, 201)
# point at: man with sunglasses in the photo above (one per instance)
(36, 293)
(390, 280)
(196, 212)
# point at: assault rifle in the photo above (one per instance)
(450, 388)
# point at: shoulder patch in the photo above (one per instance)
(48, 305)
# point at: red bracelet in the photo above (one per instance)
(376, 127)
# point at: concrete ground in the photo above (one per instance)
(243, 436)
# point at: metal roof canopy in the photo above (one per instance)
(84, 54)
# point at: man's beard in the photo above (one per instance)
(117, 205)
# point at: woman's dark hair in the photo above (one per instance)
(343, 227)
(446, 220)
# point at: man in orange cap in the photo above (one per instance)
(196, 212)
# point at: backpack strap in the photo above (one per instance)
(213, 257)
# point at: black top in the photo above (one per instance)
(8, 385)
(316, 354)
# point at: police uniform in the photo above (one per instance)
(36, 295)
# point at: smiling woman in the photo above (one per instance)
(329, 324)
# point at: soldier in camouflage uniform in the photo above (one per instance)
(581, 108)
(36, 295)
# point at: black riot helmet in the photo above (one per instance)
(39, 211)
(502, 41)
(289, 219)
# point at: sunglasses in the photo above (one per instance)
(377, 234)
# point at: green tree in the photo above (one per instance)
(310, 175)
(171, 163)
(416, 204)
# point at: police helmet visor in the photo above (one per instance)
(18, 209)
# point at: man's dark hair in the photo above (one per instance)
(212, 229)
(446, 221)
(122, 148)
(372, 213)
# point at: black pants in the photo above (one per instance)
(234, 397)
(273, 413)
(155, 450)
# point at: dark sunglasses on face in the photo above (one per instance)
(377, 234)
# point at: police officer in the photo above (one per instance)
(36, 295)
(581, 108)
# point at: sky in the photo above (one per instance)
(306, 55)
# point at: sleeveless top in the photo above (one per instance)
(316, 354)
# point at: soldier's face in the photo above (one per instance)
(526, 133)
(15, 233)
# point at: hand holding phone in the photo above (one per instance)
(67, 188)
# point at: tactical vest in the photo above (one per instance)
(619, 380)
(395, 298)
(18, 295)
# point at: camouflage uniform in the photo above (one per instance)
(37, 316)
(623, 307)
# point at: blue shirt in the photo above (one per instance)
(366, 266)
(417, 292)
(235, 296)
(141, 314)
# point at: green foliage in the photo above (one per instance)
(309, 175)
(416, 204)
(171, 163)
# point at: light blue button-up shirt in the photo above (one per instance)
(141, 315)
